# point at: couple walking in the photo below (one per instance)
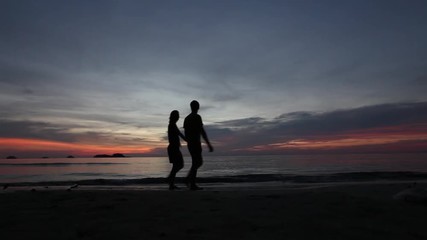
(193, 129)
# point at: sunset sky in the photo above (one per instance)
(92, 77)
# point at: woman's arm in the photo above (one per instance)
(180, 134)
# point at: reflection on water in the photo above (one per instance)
(59, 169)
(56, 169)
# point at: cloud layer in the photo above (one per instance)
(269, 74)
(340, 129)
(399, 127)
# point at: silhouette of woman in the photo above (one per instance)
(174, 152)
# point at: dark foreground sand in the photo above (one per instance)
(347, 211)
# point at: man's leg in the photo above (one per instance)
(196, 162)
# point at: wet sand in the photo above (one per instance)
(304, 211)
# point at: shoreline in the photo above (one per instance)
(249, 179)
(240, 186)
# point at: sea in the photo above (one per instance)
(133, 170)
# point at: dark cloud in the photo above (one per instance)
(294, 116)
(421, 81)
(243, 123)
(240, 134)
(63, 133)
(35, 130)
(355, 119)
(19, 75)
(28, 91)
(245, 133)
(236, 50)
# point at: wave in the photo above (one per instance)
(58, 164)
(250, 178)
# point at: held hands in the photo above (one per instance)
(183, 137)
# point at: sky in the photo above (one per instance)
(272, 77)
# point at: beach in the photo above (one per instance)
(368, 210)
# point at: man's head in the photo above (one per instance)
(194, 106)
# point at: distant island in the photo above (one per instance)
(11, 157)
(115, 155)
(71, 156)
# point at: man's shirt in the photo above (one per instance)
(193, 128)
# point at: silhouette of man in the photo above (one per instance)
(193, 128)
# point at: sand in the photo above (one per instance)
(340, 211)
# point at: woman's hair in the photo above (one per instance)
(174, 116)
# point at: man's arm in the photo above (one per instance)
(205, 136)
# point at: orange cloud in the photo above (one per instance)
(368, 137)
(36, 145)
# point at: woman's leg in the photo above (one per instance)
(175, 168)
(177, 160)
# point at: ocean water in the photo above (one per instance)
(77, 169)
